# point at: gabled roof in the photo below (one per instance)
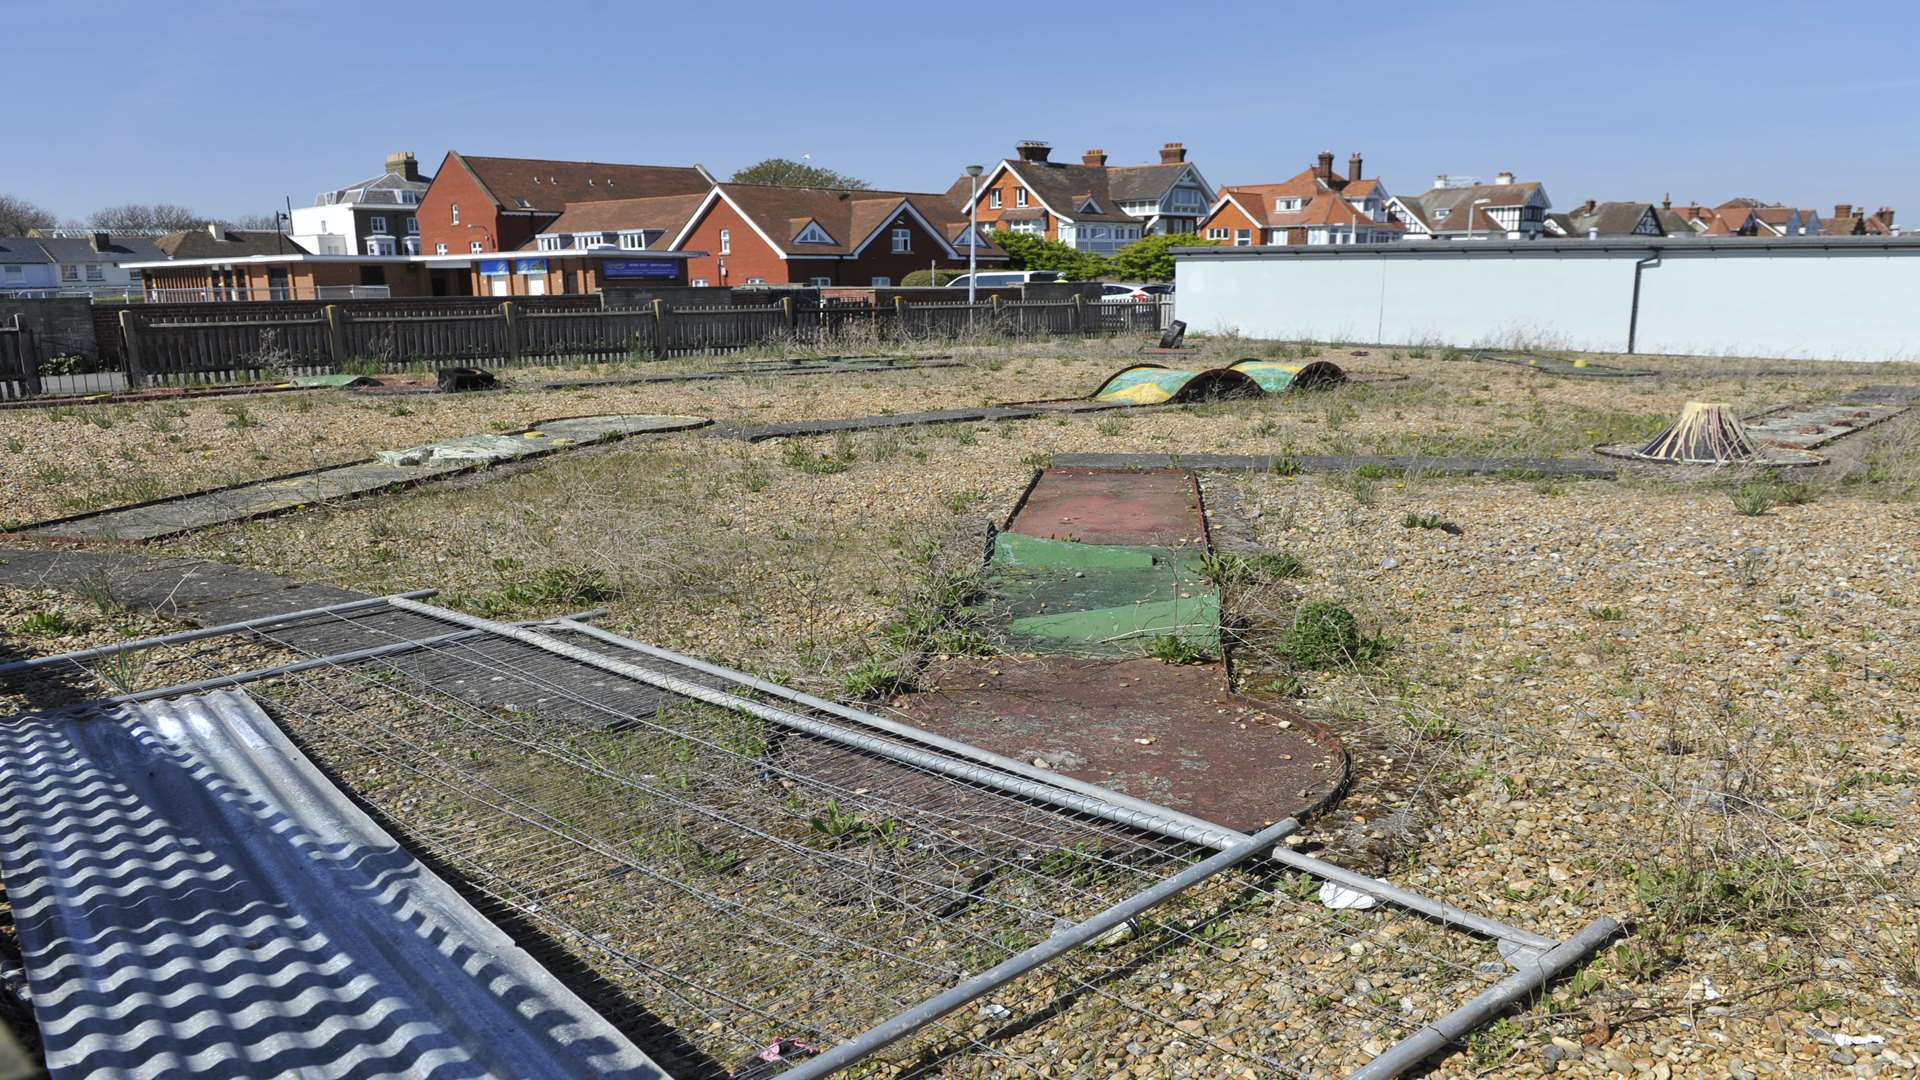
(1055, 185)
(119, 249)
(1606, 219)
(852, 218)
(20, 249)
(228, 244)
(542, 184)
(1141, 183)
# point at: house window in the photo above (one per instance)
(413, 225)
(1019, 196)
(380, 245)
(70, 273)
(1440, 213)
(819, 282)
(726, 241)
(15, 271)
(633, 241)
(1242, 237)
(1216, 234)
(456, 213)
(475, 246)
(813, 234)
(439, 249)
(698, 283)
(377, 224)
(411, 244)
(584, 241)
(902, 241)
(756, 281)
(993, 199)
(549, 242)
(882, 282)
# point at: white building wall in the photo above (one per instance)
(1811, 304)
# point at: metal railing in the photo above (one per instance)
(279, 292)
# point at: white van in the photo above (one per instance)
(994, 278)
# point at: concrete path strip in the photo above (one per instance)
(1324, 463)
(170, 517)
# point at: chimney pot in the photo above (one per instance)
(1503, 177)
(1033, 150)
(405, 164)
(1095, 156)
(1353, 168)
(1843, 209)
(1173, 153)
(1885, 214)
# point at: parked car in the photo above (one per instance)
(1163, 289)
(1120, 292)
(994, 278)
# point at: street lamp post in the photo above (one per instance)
(973, 231)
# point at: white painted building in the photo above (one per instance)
(373, 217)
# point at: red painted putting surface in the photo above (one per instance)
(1158, 507)
(1169, 734)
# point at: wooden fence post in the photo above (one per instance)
(336, 336)
(511, 317)
(1078, 317)
(786, 308)
(29, 359)
(130, 335)
(660, 335)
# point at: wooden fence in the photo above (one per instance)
(19, 363)
(168, 349)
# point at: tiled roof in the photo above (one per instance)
(73, 249)
(1607, 218)
(664, 213)
(553, 185)
(19, 249)
(231, 244)
(1142, 183)
(849, 217)
(383, 189)
(1056, 185)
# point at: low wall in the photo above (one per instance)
(1819, 298)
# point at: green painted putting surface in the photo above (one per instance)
(1059, 597)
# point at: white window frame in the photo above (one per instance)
(1243, 238)
(902, 241)
(993, 199)
(476, 247)
(1020, 196)
(439, 249)
(1219, 234)
(756, 281)
(549, 242)
(456, 213)
(726, 241)
(813, 234)
(377, 224)
(819, 282)
(583, 241)
(70, 272)
(96, 272)
(882, 282)
(410, 245)
(413, 225)
(632, 240)
(698, 283)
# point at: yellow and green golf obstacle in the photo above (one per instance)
(1156, 384)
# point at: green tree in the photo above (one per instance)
(1026, 251)
(1149, 258)
(785, 172)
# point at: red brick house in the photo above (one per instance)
(1315, 206)
(1090, 206)
(483, 204)
(752, 234)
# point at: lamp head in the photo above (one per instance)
(975, 170)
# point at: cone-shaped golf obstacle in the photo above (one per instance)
(1709, 433)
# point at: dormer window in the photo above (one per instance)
(812, 233)
(550, 242)
(1440, 213)
(1089, 207)
(522, 203)
(634, 240)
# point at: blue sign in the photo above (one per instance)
(529, 266)
(493, 266)
(640, 268)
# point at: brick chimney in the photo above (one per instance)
(1885, 216)
(1323, 166)
(1503, 177)
(1095, 156)
(1666, 201)
(404, 164)
(1587, 207)
(1843, 210)
(1173, 153)
(1033, 150)
(1353, 168)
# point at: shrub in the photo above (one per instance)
(1755, 498)
(923, 278)
(1325, 634)
(1173, 649)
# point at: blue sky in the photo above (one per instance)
(229, 107)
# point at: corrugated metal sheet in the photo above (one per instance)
(192, 896)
